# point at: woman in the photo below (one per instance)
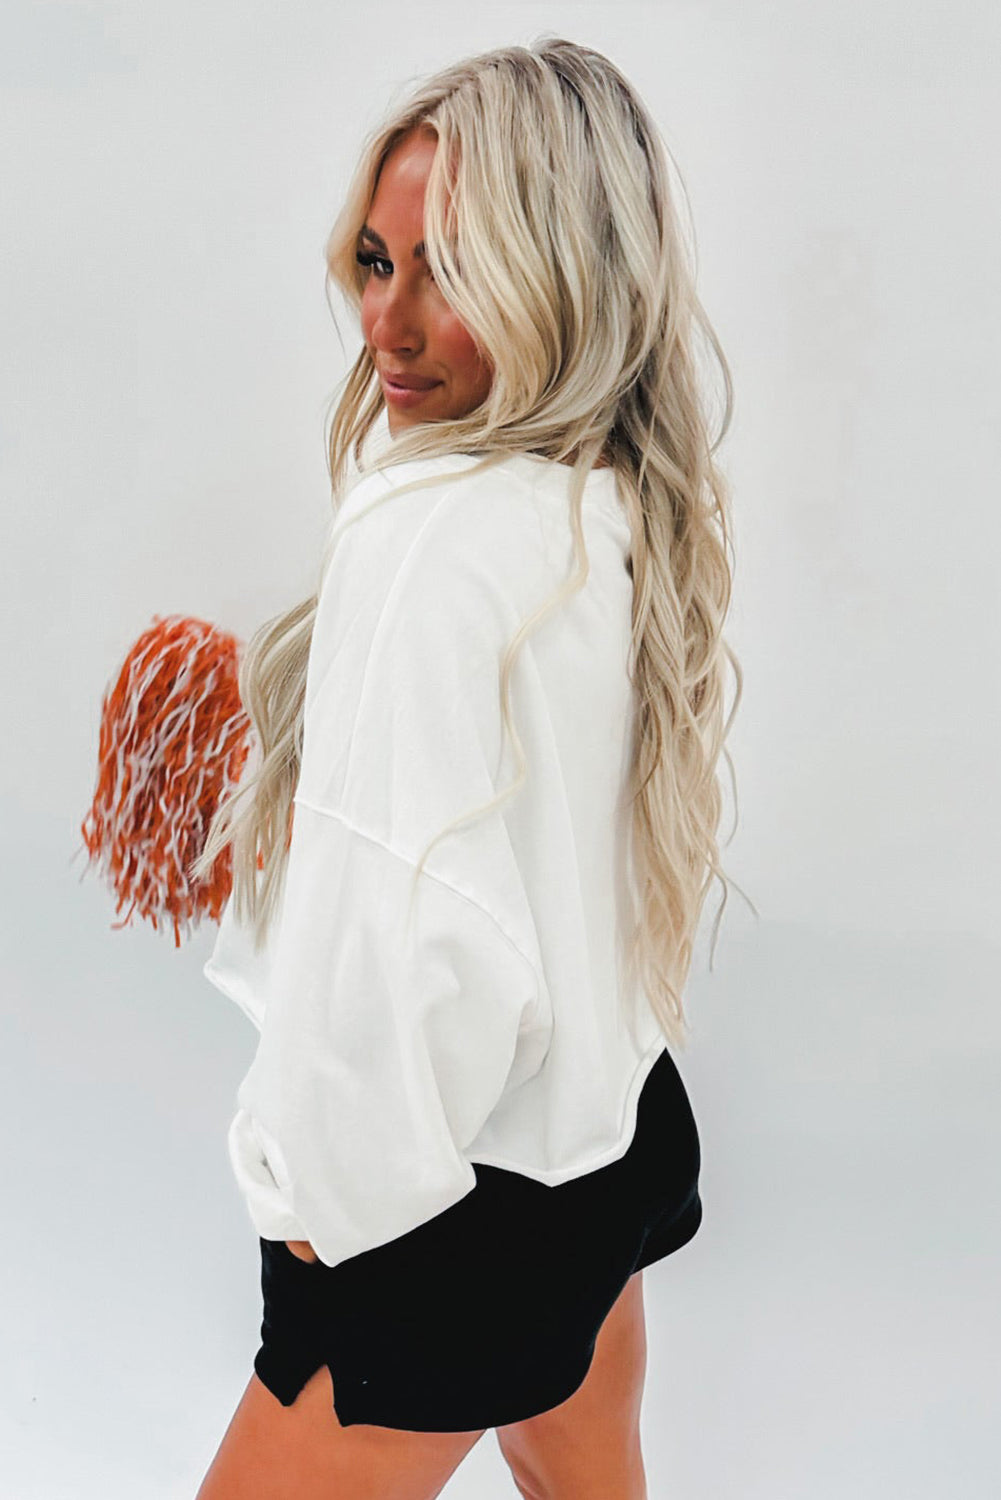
(470, 859)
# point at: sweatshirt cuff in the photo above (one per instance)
(266, 1203)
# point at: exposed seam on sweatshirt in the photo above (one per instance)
(338, 817)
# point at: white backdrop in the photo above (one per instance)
(169, 176)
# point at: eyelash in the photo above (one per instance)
(367, 258)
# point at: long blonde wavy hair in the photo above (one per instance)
(552, 229)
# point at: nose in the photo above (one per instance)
(397, 325)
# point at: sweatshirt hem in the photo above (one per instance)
(554, 1176)
(235, 992)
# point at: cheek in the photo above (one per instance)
(459, 349)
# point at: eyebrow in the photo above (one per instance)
(377, 240)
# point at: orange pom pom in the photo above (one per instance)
(174, 738)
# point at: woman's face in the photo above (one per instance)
(409, 328)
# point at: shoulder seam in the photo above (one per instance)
(339, 817)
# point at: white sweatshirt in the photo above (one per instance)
(498, 1027)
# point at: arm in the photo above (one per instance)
(385, 1045)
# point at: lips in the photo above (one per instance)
(409, 382)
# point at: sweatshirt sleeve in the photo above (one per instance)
(390, 1032)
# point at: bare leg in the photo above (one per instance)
(588, 1447)
(274, 1452)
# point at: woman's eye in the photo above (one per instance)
(366, 258)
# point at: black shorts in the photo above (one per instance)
(487, 1313)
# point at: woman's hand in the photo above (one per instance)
(302, 1249)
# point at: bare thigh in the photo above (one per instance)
(588, 1447)
(301, 1452)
